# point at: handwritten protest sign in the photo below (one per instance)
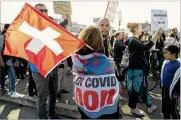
(111, 10)
(63, 8)
(159, 19)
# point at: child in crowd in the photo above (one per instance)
(170, 66)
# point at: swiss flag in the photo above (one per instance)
(36, 38)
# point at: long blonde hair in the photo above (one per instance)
(91, 35)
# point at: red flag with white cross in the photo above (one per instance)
(38, 39)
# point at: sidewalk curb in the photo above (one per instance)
(61, 108)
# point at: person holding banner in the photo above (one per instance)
(96, 88)
(137, 70)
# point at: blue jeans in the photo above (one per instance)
(12, 77)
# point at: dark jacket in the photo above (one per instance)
(160, 45)
(118, 50)
(137, 49)
(105, 49)
(147, 53)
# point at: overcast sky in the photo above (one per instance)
(84, 12)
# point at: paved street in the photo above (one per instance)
(30, 113)
(13, 111)
(10, 110)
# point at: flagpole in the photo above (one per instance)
(106, 9)
(89, 47)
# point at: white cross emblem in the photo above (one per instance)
(41, 39)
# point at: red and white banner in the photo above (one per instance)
(111, 10)
(95, 92)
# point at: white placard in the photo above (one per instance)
(159, 19)
(111, 10)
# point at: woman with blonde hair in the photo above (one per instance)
(137, 71)
(96, 89)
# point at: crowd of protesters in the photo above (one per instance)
(103, 46)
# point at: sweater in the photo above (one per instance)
(168, 71)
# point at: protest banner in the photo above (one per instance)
(111, 10)
(95, 92)
(159, 19)
(63, 8)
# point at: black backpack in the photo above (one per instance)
(5, 57)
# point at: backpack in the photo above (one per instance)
(5, 57)
(125, 59)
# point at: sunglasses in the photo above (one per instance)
(44, 10)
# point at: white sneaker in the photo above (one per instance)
(16, 95)
(136, 113)
(152, 108)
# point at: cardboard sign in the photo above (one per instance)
(159, 19)
(63, 8)
(111, 10)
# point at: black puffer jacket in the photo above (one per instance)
(118, 50)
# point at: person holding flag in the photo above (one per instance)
(36, 38)
(43, 84)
